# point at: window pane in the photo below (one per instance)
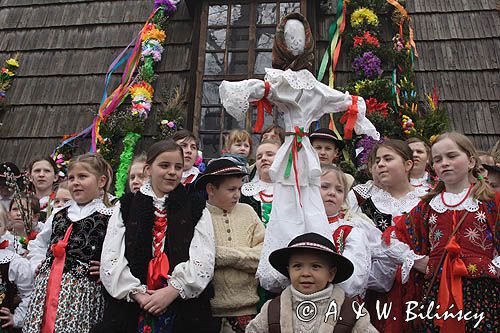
(214, 63)
(210, 118)
(240, 15)
(265, 38)
(210, 145)
(263, 60)
(231, 123)
(238, 62)
(217, 15)
(238, 38)
(210, 92)
(289, 7)
(216, 39)
(268, 118)
(266, 13)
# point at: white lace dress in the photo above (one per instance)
(302, 100)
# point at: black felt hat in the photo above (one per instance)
(326, 134)
(218, 168)
(492, 168)
(279, 258)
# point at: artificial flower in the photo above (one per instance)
(367, 38)
(171, 124)
(169, 7)
(368, 65)
(363, 16)
(164, 122)
(153, 48)
(142, 88)
(6, 71)
(12, 62)
(373, 106)
(398, 43)
(151, 32)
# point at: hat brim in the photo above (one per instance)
(279, 260)
(338, 143)
(492, 168)
(203, 180)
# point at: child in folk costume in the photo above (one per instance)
(67, 296)
(457, 228)
(419, 176)
(239, 235)
(159, 253)
(190, 145)
(63, 195)
(314, 268)
(16, 281)
(296, 169)
(43, 175)
(136, 176)
(327, 145)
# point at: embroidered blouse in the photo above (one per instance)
(190, 278)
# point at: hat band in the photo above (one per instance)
(225, 170)
(309, 244)
(324, 135)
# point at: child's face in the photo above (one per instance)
(84, 186)
(327, 151)
(62, 196)
(390, 168)
(227, 195)
(452, 165)
(310, 272)
(420, 157)
(165, 172)
(136, 177)
(17, 219)
(42, 175)
(240, 148)
(190, 149)
(264, 157)
(332, 192)
(270, 135)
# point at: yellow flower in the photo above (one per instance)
(12, 62)
(151, 32)
(143, 89)
(472, 268)
(363, 15)
(432, 139)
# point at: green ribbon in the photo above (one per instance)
(266, 211)
(126, 156)
(331, 33)
(297, 143)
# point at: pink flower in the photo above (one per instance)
(171, 124)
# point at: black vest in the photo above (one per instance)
(382, 221)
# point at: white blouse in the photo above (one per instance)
(190, 278)
(193, 171)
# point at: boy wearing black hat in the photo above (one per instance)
(239, 236)
(327, 145)
(314, 267)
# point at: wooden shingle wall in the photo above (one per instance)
(65, 48)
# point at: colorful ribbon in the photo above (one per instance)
(54, 283)
(262, 105)
(159, 266)
(404, 17)
(350, 117)
(4, 244)
(294, 155)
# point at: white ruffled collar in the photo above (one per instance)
(302, 79)
(367, 189)
(422, 181)
(253, 188)
(386, 203)
(470, 204)
(147, 189)
(95, 205)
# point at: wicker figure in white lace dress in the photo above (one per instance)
(290, 86)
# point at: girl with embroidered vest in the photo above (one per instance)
(457, 228)
(314, 269)
(43, 176)
(136, 175)
(393, 161)
(16, 282)
(67, 295)
(259, 192)
(190, 145)
(419, 175)
(159, 252)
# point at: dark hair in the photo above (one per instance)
(161, 147)
(98, 166)
(32, 200)
(400, 147)
(278, 129)
(43, 158)
(415, 140)
(218, 180)
(185, 134)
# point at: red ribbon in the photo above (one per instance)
(349, 118)
(450, 287)
(4, 244)
(159, 265)
(54, 284)
(262, 105)
(294, 155)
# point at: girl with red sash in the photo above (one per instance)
(457, 228)
(67, 296)
(159, 253)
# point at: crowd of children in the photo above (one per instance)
(182, 250)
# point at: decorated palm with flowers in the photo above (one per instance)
(171, 115)
(7, 75)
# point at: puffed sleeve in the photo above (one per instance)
(259, 324)
(115, 273)
(191, 277)
(358, 252)
(37, 248)
(21, 275)
(236, 96)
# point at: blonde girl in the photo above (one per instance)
(136, 176)
(68, 296)
(239, 142)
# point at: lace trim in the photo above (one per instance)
(365, 190)
(420, 181)
(141, 289)
(470, 204)
(234, 97)
(408, 264)
(385, 202)
(101, 208)
(6, 256)
(147, 189)
(496, 261)
(253, 188)
(302, 79)
(178, 287)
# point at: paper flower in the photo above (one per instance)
(364, 16)
(153, 48)
(408, 125)
(142, 88)
(373, 106)
(151, 32)
(12, 62)
(169, 7)
(367, 38)
(367, 65)
(6, 71)
(398, 43)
